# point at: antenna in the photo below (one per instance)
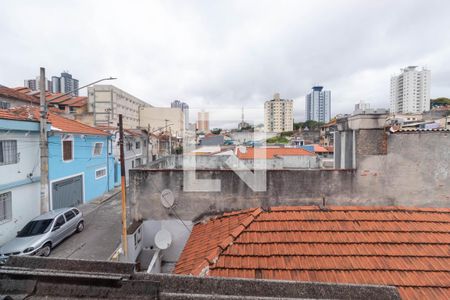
(163, 239)
(167, 198)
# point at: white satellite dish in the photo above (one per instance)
(167, 198)
(163, 239)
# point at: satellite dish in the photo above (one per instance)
(163, 239)
(167, 198)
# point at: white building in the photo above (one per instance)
(106, 102)
(20, 169)
(318, 105)
(410, 91)
(163, 119)
(278, 114)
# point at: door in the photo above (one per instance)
(58, 231)
(67, 192)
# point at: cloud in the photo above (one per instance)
(216, 54)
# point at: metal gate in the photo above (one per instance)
(67, 192)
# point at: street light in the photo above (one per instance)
(70, 92)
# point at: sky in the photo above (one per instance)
(223, 55)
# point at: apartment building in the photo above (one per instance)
(162, 119)
(106, 102)
(410, 91)
(278, 114)
(203, 121)
(318, 105)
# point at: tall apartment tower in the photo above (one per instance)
(318, 105)
(184, 108)
(278, 114)
(63, 84)
(203, 121)
(410, 91)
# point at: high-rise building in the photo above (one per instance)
(278, 114)
(203, 121)
(410, 91)
(185, 108)
(318, 105)
(63, 84)
(33, 84)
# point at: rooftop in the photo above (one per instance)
(28, 113)
(269, 153)
(12, 93)
(399, 246)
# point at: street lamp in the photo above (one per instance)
(70, 92)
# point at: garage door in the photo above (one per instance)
(67, 192)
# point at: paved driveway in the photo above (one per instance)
(101, 235)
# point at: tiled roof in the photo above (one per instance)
(50, 97)
(271, 152)
(404, 247)
(28, 113)
(76, 101)
(12, 93)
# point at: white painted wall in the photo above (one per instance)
(25, 206)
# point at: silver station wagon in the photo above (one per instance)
(43, 233)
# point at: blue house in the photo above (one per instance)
(81, 163)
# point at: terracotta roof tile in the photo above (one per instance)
(405, 247)
(29, 113)
(269, 153)
(12, 93)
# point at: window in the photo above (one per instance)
(67, 145)
(69, 215)
(76, 211)
(138, 161)
(5, 207)
(8, 152)
(98, 149)
(60, 221)
(129, 146)
(100, 173)
(138, 145)
(5, 105)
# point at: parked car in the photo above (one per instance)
(43, 233)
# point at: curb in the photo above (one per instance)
(103, 200)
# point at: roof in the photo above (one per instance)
(29, 113)
(76, 101)
(316, 148)
(404, 247)
(269, 153)
(12, 93)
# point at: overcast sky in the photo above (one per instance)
(221, 55)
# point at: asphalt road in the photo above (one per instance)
(101, 234)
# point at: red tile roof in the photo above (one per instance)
(271, 152)
(12, 93)
(28, 113)
(404, 247)
(50, 97)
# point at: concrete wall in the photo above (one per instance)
(415, 172)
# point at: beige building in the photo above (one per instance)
(106, 102)
(278, 115)
(157, 118)
(203, 121)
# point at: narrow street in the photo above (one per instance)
(101, 235)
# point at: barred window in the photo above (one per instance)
(67, 147)
(5, 207)
(8, 152)
(5, 105)
(100, 173)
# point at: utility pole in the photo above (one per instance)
(43, 143)
(170, 137)
(124, 199)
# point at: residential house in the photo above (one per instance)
(20, 169)
(398, 246)
(135, 145)
(327, 133)
(12, 98)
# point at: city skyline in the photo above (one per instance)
(233, 62)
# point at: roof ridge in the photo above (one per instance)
(213, 256)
